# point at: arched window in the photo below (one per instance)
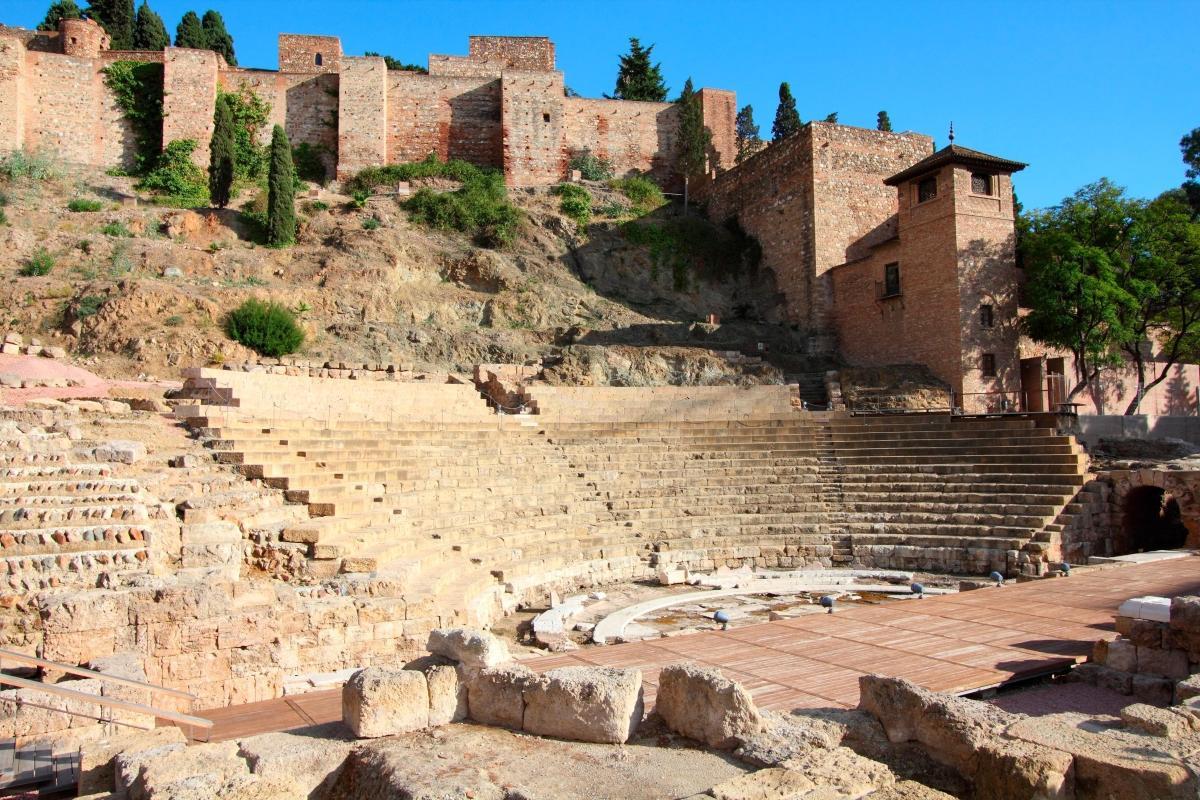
(319, 60)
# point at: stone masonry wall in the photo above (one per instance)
(12, 93)
(189, 97)
(720, 114)
(306, 105)
(531, 112)
(362, 115)
(635, 137)
(453, 117)
(525, 53)
(300, 53)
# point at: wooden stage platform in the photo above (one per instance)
(953, 643)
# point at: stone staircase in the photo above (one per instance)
(465, 518)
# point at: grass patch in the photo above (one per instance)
(370, 224)
(80, 204)
(40, 263)
(116, 230)
(690, 246)
(313, 206)
(642, 192)
(432, 167)
(28, 164)
(173, 321)
(269, 329)
(576, 202)
(480, 209)
(89, 304)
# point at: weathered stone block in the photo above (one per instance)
(447, 695)
(1168, 722)
(1166, 663)
(1008, 769)
(1185, 614)
(1153, 689)
(471, 648)
(1121, 654)
(587, 704)
(703, 704)
(496, 695)
(384, 702)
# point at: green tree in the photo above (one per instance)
(1189, 145)
(281, 188)
(216, 38)
(637, 77)
(695, 139)
(221, 153)
(57, 12)
(117, 18)
(883, 122)
(748, 141)
(787, 119)
(398, 65)
(832, 117)
(149, 32)
(190, 33)
(1115, 280)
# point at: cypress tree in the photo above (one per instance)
(149, 32)
(57, 12)
(883, 122)
(787, 119)
(117, 18)
(694, 139)
(832, 118)
(748, 141)
(221, 154)
(281, 188)
(637, 78)
(216, 38)
(190, 33)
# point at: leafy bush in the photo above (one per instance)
(81, 204)
(3, 217)
(137, 88)
(308, 163)
(359, 199)
(253, 216)
(28, 164)
(642, 192)
(613, 210)
(432, 167)
(250, 115)
(370, 224)
(176, 175)
(40, 263)
(89, 304)
(576, 203)
(117, 230)
(267, 328)
(173, 321)
(591, 167)
(480, 208)
(313, 206)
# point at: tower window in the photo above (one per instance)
(986, 320)
(988, 365)
(981, 183)
(891, 279)
(545, 117)
(319, 60)
(926, 189)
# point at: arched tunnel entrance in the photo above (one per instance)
(1151, 520)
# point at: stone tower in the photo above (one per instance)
(83, 38)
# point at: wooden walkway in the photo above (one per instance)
(952, 643)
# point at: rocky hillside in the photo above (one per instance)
(135, 288)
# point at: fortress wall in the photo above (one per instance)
(62, 106)
(720, 116)
(12, 93)
(301, 53)
(532, 119)
(455, 117)
(306, 105)
(526, 53)
(362, 114)
(634, 136)
(189, 97)
(851, 201)
(771, 194)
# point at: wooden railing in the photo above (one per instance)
(104, 702)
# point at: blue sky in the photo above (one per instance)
(1079, 90)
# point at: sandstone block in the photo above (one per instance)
(703, 704)
(1009, 769)
(96, 769)
(158, 772)
(384, 702)
(586, 704)
(1185, 614)
(121, 451)
(764, 784)
(1169, 722)
(1165, 663)
(496, 695)
(311, 759)
(1153, 689)
(447, 695)
(842, 770)
(1121, 654)
(471, 648)
(1187, 689)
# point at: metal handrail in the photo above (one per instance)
(90, 673)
